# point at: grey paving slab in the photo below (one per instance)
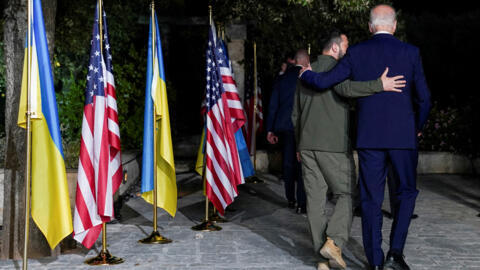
(263, 234)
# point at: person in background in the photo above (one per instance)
(280, 129)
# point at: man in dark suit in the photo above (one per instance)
(388, 126)
(279, 126)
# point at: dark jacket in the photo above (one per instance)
(387, 120)
(281, 101)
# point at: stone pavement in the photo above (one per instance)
(264, 234)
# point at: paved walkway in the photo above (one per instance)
(264, 234)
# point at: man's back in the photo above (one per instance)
(281, 102)
(388, 119)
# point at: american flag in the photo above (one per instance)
(250, 110)
(99, 167)
(223, 171)
(234, 103)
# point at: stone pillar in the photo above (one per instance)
(236, 34)
(14, 183)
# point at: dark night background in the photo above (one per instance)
(445, 34)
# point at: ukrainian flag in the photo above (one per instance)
(50, 200)
(156, 113)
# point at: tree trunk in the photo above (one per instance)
(15, 27)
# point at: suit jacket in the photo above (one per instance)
(387, 120)
(281, 101)
(321, 120)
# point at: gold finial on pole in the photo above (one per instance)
(210, 16)
(29, 136)
(309, 48)
(223, 31)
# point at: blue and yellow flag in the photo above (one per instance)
(157, 116)
(50, 200)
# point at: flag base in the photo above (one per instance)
(207, 226)
(253, 180)
(104, 258)
(215, 217)
(155, 238)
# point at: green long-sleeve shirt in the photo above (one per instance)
(321, 120)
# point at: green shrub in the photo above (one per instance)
(449, 129)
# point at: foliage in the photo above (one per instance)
(128, 46)
(280, 27)
(449, 129)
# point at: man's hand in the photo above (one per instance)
(298, 157)
(308, 67)
(392, 84)
(271, 138)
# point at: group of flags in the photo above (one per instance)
(224, 152)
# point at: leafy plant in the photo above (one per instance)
(449, 129)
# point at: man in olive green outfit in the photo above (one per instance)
(321, 128)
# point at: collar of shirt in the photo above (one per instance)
(383, 32)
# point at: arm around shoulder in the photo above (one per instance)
(354, 89)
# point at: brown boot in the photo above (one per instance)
(333, 253)
(323, 266)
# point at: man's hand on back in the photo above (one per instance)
(308, 67)
(392, 84)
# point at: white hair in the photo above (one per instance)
(382, 19)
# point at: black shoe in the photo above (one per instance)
(395, 261)
(414, 216)
(291, 204)
(301, 210)
(376, 267)
(387, 214)
(357, 212)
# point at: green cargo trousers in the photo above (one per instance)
(323, 171)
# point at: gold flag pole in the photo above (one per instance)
(254, 124)
(155, 237)
(29, 138)
(254, 179)
(207, 224)
(309, 48)
(104, 257)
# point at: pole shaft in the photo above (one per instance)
(206, 208)
(100, 21)
(104, 237)
(204, 177)
(29, 138)
(254, 120)
(154, 39)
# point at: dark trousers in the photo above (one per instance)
(291, 169)
(373, 171)
(392, 186)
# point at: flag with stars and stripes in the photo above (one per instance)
(236, 112)
(223, 171)
(99, 167)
